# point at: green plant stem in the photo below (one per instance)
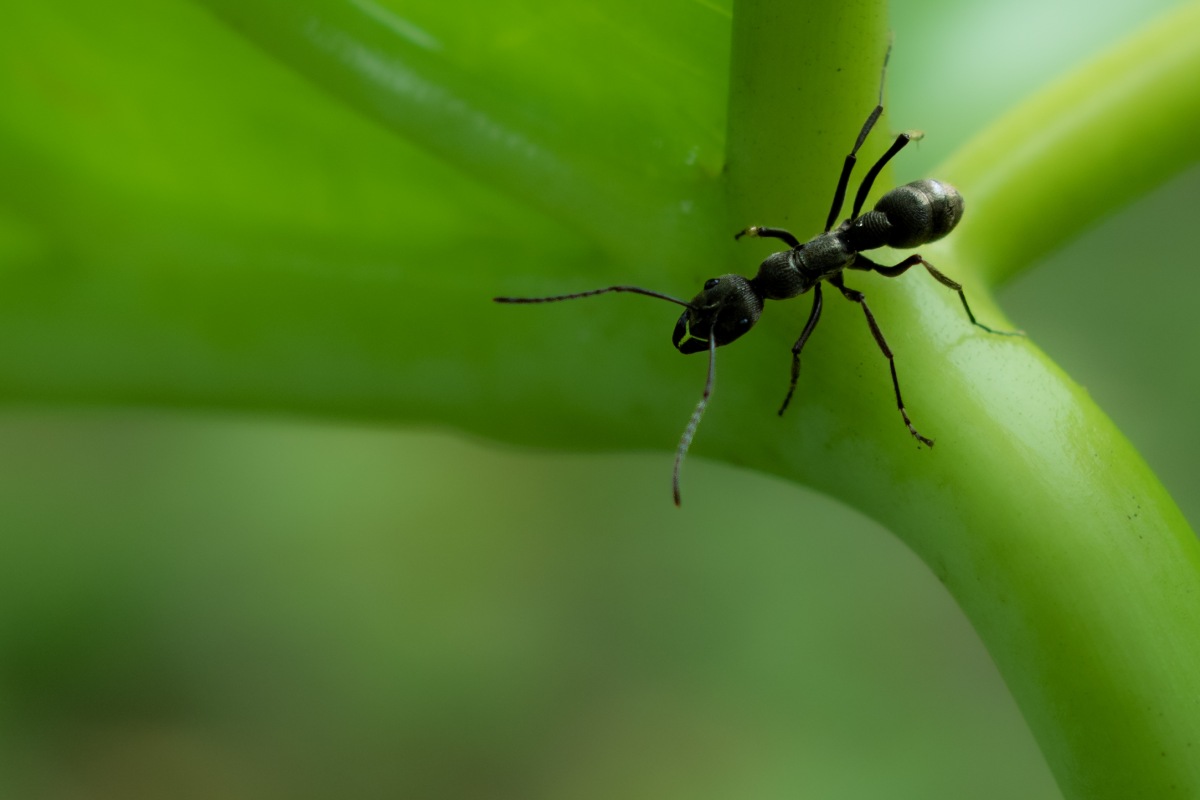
(776, 170)
(1108, 132)
(1073, 564)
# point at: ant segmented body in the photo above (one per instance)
(917, 213)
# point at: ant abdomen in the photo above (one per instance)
(910, 215)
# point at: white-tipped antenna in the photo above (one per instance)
(685, 441)
(690, 431)
(576, 295)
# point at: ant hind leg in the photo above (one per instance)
(860, 298)
(861, 262)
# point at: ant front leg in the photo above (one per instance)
(862, 262)
(860, 298)
(769, 233)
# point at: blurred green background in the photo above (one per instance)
(198, 606)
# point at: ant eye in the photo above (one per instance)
(711, 283)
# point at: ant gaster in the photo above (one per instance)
(911, 215)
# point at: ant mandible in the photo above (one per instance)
(908, 216)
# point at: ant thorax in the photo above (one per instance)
(780, 277)
(823, 256)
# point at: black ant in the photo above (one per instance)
(914, 214)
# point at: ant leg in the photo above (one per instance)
(864, 263)
(685, 441)
(813, 317)
(912, 261)
(773, 233)
(839, 194)
(865, 187)
(951, 284)
(860, 298)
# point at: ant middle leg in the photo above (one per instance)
(860, 298)
(814, 316)
(861, 262)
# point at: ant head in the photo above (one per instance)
(726, 308)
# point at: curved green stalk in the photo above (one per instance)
(1070, 559)
(1080, 148)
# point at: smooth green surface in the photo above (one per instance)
(188, 222)
(1034, 559)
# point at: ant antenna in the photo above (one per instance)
(685, 441)
(689, 432)
(887, 56)
(576, 295)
